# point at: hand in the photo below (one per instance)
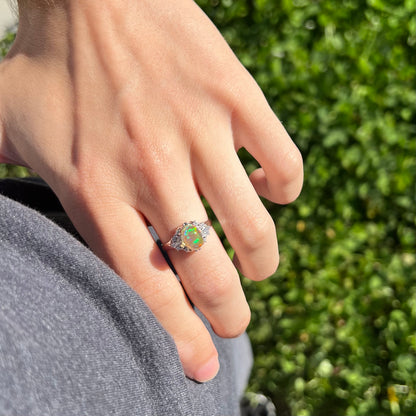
(130, 113)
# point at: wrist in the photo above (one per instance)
(43, 29)
(50, 28)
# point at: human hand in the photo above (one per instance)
(130, 113)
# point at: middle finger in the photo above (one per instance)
(246, 222)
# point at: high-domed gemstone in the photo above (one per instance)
(191, 237)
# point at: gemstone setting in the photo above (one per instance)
(190, 236)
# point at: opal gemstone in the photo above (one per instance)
(191, 237)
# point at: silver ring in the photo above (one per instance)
(190, 236)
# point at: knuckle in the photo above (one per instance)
(273, 265)
(213, 290)
(154, 160)
(235, 328)
(87, 194)
(257, 231)
(263, 268)
(154, 170)
(257, 248)
(291, 177)
(292, 166)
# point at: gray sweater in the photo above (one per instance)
(76, 340)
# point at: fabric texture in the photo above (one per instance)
(76, 340)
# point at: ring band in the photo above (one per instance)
(190, 236)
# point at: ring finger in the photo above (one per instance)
(208, 276)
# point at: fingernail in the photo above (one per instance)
(208, 371)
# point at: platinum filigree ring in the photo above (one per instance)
(190, 236)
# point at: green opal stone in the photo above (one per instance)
(191, 237)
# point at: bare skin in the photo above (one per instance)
(132, 111)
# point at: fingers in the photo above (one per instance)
(212, 283)
(208, 276)
(118, 234)
(257, 128)
(246, 223)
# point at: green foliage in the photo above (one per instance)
(11, 171)
(334, 330)
(5, 44)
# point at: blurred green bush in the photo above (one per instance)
(334, 330)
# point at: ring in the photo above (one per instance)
(190, 236)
